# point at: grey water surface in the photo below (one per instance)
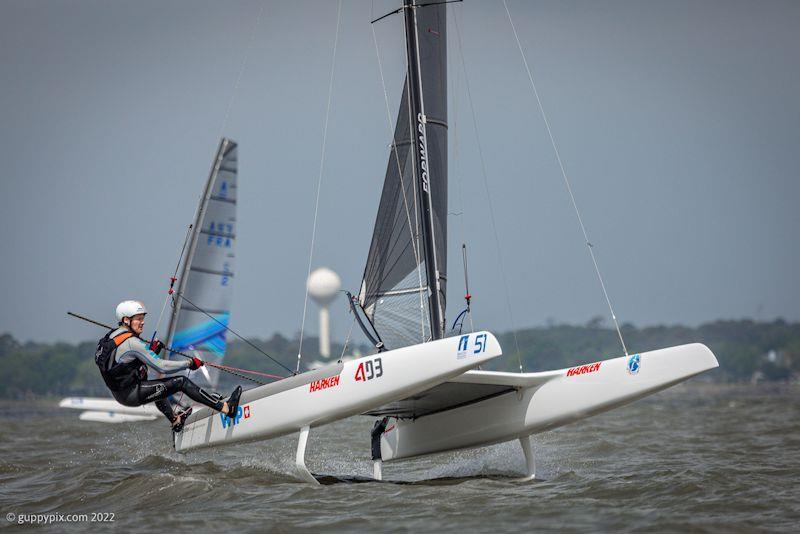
(698, 457)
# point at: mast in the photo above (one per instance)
(422, 168)
(198, 218)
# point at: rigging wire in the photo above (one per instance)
(566, 180)
(488, 195)
(228, 109)
(347, 339)
(231, 330)
(319, 180)
(235, 90)
(459, 214)
(173, 279)
(411, 228)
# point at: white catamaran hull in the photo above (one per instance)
(108, 410)
(543, 401)
(339, 391)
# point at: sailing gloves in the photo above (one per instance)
(156, 346)
(195, 364)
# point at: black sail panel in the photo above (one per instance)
(395, 292)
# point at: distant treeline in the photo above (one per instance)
(746, 350)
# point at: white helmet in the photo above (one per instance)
(129, 308)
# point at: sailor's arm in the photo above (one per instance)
(138, 349)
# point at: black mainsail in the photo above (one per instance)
(404, 286)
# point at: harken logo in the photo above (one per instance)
(634, 363)
(584, 369)
(323, 383)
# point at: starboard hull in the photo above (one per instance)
(349, 389)
(558, 398)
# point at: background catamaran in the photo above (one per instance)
(422, 382)
(201, 305)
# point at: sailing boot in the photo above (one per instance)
(180, 419)
(233, 402)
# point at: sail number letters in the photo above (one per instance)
(369, 369)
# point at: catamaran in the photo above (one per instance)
(201, 306)
(422, 383)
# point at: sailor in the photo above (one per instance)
(123, 358)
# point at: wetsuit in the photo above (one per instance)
(138, 390)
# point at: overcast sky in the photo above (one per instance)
(678, 123)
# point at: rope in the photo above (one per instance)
(319, 180)
(488, 197)
(411, 227)
(566, 180)
(231, 330)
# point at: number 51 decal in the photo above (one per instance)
(480, 344)
(369, 369)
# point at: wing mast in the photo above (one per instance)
(423, 169)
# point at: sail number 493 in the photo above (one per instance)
(369, 369)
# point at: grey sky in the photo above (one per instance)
(678, 122)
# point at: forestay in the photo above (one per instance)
(205, 292)
(409, 244)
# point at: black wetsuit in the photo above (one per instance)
(134, 389)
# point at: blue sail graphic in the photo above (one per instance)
(208, 336)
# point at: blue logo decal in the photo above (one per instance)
(463, 344)
(462, 347)
(634, 363)
(227, 421)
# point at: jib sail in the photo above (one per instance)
(404, 285)
(201, 309)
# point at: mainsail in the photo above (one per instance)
(404, 285)
(202, 306)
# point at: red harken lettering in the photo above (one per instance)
(583, 369)
(323, 383)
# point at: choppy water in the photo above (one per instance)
(694, 457)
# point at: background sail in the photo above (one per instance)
(395, 290)
(209, 269)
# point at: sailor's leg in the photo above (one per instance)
(300, 457)
(166, 408)
(530, 461)
(156, 390)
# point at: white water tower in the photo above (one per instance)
(323, 285)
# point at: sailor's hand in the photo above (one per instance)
(195, 363)
(156, 346)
